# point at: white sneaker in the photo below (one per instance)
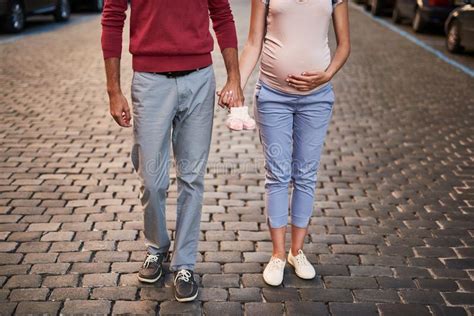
(273, 273)
(303, 268)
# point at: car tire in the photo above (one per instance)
(15, 17)
(376, 7)
(453, 37)
(63, 11)
(97, 5)
(396, 16)
(418, 23)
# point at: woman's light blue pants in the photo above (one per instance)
(292, 130)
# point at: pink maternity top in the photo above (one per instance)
(296, 41)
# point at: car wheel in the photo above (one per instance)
(453, 38)
(376, 8)
(396, 16)
(418, 23)
(63, 11)
(15, 17)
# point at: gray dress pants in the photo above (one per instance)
(178, 112)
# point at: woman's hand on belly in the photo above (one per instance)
(308, 80)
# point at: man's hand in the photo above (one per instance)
(231, 95)
(119, 109)
(308, 80)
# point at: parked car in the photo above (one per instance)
(378, 7)
(94, 5)
(422, 12)
(14, 12)
(459, 28)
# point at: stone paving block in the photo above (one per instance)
(306, 308)
(176, 308)
(65, 246)
(25, 236)
(250, 267)
(8, 308)
(421, 296)
(28, 294)
(2, 280)
(140, 307)
(121, 235)
(220, 280)
(378, 296)
(223, 308)
(8, 246)
(34, 246)
(23, 281)
(223, 256)
(245, 294)
(370, 271)
(99, 279)
(263, 309)
(28, 308)
(395, 283)
(53, 281)
(156, 293)
(441, 310)
(208, 267)
(326, 295)
(90, 267)
(280, 294)
(70, 293)
(86, 307)
(212, 294)
(350, 282)
(353, 309)
(403, 309)
(438, 284)
(4, 293)
(237, 246)
(14, 269)
(111, 256)
(50, 268)
(48, 257)
(353, 249)
(11, 258)
(459, 298)
(338, 259)
(114, 293)
(44, 227)
(329, 269)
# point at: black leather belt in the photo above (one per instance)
(174, 74)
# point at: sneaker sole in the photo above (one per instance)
(149, 280)
(274, 285)
(187, 299)
(300, 276)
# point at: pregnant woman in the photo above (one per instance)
(293, 106)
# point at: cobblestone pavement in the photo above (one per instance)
(392, 226)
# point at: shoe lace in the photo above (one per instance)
(301, 258)
(149, 259)
(183, 275)
(274, 263)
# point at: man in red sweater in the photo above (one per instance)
(173, 92)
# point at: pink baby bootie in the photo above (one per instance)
(239, 119)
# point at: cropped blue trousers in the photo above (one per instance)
(292, 130)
